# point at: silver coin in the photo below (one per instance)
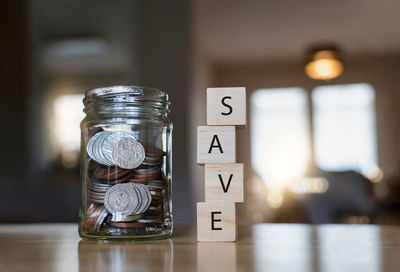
(111, 140)
(155, 182)
(156, 193)
(155, 209)
(145, 195)
(155, 187)
(150, 220)
(89, 147)
(100, 185)
(97, 198)
(128, 154)
(148, 171)
(121, 199)
(100, 219)
(95, 194)
(95, 147)
(97, 201)
(139, 196)
(95, 142)
(99, 147)
(98, 190)
(108, 146)
(129, 218)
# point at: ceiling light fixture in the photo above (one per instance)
(324, 64)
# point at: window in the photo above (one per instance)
(344, 127)
(343, 119)
(65, 131)
(279, 135)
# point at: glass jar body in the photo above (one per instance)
(124, 196)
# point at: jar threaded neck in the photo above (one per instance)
(128, 101)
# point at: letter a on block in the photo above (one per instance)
(216, 221)
(224, 182)
(226, 106)
(216, 144)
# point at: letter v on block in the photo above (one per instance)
(224, 182)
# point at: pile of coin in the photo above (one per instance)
(97, 192)
(116, 148)
(95, 216)
(127, 199)
(124, 199)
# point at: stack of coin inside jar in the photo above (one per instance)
(125, 184)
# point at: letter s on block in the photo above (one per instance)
(226, 105)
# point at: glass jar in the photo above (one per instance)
(126, 151)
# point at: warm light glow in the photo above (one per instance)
(67, 115)
(275, 199)
(310, 185)
(324, 69)
(323, 65)
(279, 136)
(373, 173)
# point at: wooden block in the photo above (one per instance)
(224, 182)
(226, 106)
(216, 144)
(216, 221)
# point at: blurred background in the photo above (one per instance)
(322, 141)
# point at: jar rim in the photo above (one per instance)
(139, 91)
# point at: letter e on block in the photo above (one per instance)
(226, 106)
(216, 144)
(224, 182)
(216, 221)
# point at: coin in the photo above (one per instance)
(110, 174)
(126, 225)
(95, 216)
(150, 220)
(139, 196)
(120, 199)
(147, 170)
(129, 218)
(111, 140)
(128, 154)
(155, 182)
(89, 147)
(154, 151)
(145, 195)
(116, 148)
(103, 214)
(99, 149)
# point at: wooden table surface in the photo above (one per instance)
(263, 247)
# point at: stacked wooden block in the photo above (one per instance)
(216, 149)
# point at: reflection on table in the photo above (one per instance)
(263, 247)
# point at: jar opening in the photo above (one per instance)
(129, 90)
(123, 100)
